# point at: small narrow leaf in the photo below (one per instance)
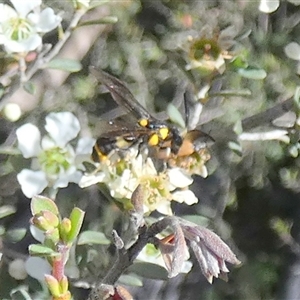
(29, 87)
(92, 237)
(20, 294)
(76, 218)
(297, 97)
(95, 4)
(251, 73)
(293, 150)
(40, 203)
(238, 128)
(235, 147)
(197, 219)
(292, 50)
(105, 20)
(149, 270)
(64, 64)
(2, 90)
(15, 235)
(239, 62)
(41, 250)
(6, 210)
(175, 115)
(130, 280)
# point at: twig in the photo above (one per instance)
(267, 116)
(126, 257)
(42, 61)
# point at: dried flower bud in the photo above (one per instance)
(211, 252)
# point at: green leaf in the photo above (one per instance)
(238, 128)
(41, 250)
(293, 150)
(40, 203)
(29, 87)
(175, 115)
(253, 73)
(130, 280)
(236, 147)
(2, 90)
(104, 20)
(76, 218)
(15, 235)
(297, 97)
(92, 237)
(20, 294)
(199, 220)
(95, 4)
(2, 230)
(6, 210)
(149, 270)
(239, 62)
(292, 50)
(230, 93)
(64, 64)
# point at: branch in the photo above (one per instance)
(267, 116)
(42, 60)
(125, 257)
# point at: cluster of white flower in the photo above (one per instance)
(54, 160)
(21, 27)
(123, 175)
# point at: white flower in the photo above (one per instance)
(54, 160)
(122, 176)
(21, 26)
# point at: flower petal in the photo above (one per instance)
(85, 146)
(64, 179)
(23, 7)
(179, 179)
(91, 179)
(164, 207)
(32, 182)
(46, 21)
(47, 143)
(62, 127)
(6, 12)
(185, 196)
(29, 138)
(30, 44)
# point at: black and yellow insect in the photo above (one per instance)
(155, 133)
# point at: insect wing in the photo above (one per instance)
(122, 95)
(199, 138)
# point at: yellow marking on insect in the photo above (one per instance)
(164, 132)
(122, 143)
(143, 122)
(153, 140)
(100, 154)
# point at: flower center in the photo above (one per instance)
(17, 29)
(54, 160)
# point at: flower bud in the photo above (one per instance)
(53, 285)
